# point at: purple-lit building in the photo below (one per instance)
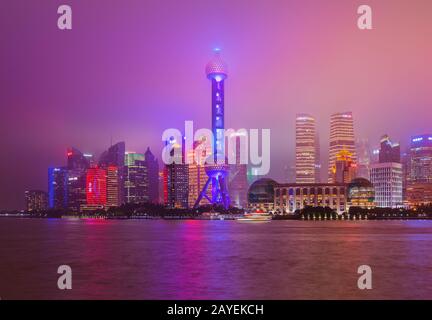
(216, 71)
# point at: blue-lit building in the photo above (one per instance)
(57, 188)
(217, 171)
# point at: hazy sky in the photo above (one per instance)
(131, 69)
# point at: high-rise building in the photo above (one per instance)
(387, 181)
(197, 177)
(344, 170)
(57, 188)
(77, 165)
(176, 177)
(420, 159)
(152, 166)
(341, 138)
(96, 187)
(112, 187)
(389, 151)
(136, 178)
(305, 149)
(115, 156)
(36, 200)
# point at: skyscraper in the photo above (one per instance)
(152, 166)
(389, 151)
(420, 159)
(77, 165)
(341, 138)
(135, 178)
(36, 200)
(196, 173)
(112, 187)
(96, 187)
(387, 181)
(115, 156)
(176, 181)
(57, 188)
(305, 149)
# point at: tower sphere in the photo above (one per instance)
(216, 68)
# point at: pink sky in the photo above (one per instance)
(131, 69)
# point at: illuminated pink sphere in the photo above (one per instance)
(216, 68)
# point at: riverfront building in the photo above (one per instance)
(291, 197)
(387, 181)
(341, 138)
(36, 200)
(306, 148)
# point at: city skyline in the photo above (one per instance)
(294, 70)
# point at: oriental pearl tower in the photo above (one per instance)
(217, 170)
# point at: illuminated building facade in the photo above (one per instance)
(261, 195)
(418, 194)
(387, 181)
(289, 197)
(115, 156)
(344, 169)
(77, 165)
(57, 188)
(341, 138)
(135, 178)
(96, 187)
(217, 172)
(112, 187)
(36, 200)
(420, 160)
(197, 176)
(175, 178)
(361, 193)
(306, 148)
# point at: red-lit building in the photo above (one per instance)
(96, 186)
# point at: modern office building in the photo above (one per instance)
(197, 176)
(112, 187)
(57, 188)
(318, 165)
(176, 179)
(361, 193)
(115, 156)
(305, 149)
(152, 166)
(36, 200)
(420, 160)
(389, 151)
(387, 181)
(341, 138)
(135, 178)
(96, 187)
(344, 170)
(77, 165)
(289, 197)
